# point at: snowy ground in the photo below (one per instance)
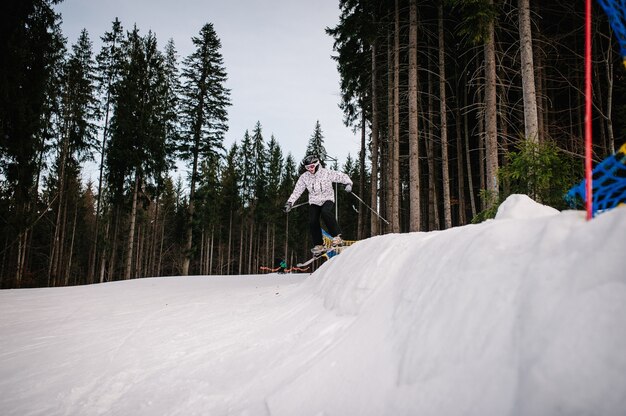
(522, 315)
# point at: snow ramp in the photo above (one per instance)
(521, 315)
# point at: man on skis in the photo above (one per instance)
(319, 182)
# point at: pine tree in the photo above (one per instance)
(246, 157)
(316, 143)
(260, 170)
(78, 113)
(275, 169)
(204, 103)
(108, 68)
(352, 37)
(289, 177)
(30, 42)
(137, 153)
(171, 98)
(79, 103)
(162, 106)
(109, 61)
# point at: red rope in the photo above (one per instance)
(588, 150)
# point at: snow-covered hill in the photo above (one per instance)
(521, 315)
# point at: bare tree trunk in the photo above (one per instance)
(202, 254)
(208, 253)
(116, 227)
(287, 237)
(481, 149)
(433, 199)
(268, 243)
(531, 121)
(273, 242)
(241, 235)
(162, 242)
(62, 253)
(502, 118)
(71, 253)
(155, 237)
(395, 147)
(360, 222)
(460, 169)
(447, 214)
(539, 89)
(131, 229)
(210, 268)
(414, 170)
(250, 251)
(491, 115)
(230, 235)
(22, 246)
(19, 270)
(103, 254)
(600, 139)
(190, 214)
(220, 253)
(56, 251)
(375, 140)
(56, 258)
(609, 99)
(150, 241)
(468, 160)
(388, 156)
(3, 264)
(258, 256)
(139, 272)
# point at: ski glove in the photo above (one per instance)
(288, 207)
(348, 188)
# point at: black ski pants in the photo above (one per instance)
(325, 212)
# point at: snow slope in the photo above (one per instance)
(521, 315)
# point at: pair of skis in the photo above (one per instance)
(285, 270)
(327, 253)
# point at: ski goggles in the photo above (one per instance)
(313, 165)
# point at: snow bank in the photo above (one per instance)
(518, 317)
(521, 206)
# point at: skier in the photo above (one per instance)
(319, 182)
(280, 265)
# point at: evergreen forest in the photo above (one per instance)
(459, 103)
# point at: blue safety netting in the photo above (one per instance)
(616, 12)
(608, 183)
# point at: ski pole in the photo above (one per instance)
(370, 208)
(300, 204)
(287, 224)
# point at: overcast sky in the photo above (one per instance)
(276, 54)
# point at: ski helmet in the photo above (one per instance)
(310, 159)
(311, 163)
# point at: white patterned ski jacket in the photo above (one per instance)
(319, 185)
